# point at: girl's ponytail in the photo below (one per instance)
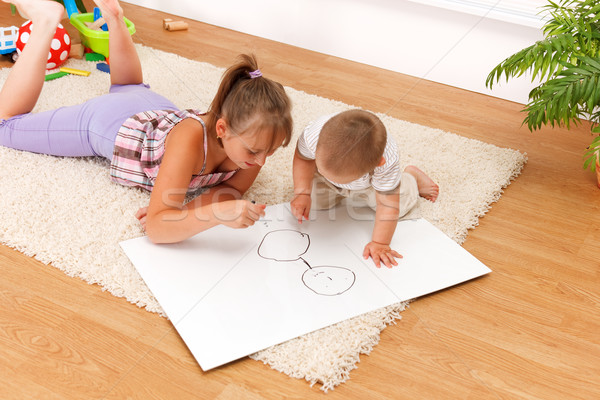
(244, 93)
(240, 70)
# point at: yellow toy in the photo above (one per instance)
(97, 41)
(74, 71)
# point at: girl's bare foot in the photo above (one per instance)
(427, 187)
(40, 12)
(111, 9)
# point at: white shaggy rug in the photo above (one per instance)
(67, 213)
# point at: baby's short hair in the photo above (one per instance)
(352, 141)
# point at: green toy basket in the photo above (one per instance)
(97, 41)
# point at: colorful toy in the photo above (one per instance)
(104, 67)
(74, 71)
(170, 25)
(8, 41)
(97, 41)
(56, 75)
(77, 51)
(94, 57)
(59, 48)
(97, 16)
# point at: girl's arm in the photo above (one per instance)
(225, 200)
(168, 220)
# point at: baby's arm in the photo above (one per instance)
(386, 219)
(303, 173)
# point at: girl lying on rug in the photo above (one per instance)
(139, 131)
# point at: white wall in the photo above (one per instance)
(423, 38)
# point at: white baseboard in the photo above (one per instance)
(455, 48)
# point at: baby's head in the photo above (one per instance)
(350, 145)
(252, 108)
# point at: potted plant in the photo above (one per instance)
(567, 62)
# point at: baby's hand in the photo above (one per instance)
(301, 206)
(238, 213)
(381, 253)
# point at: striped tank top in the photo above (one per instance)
(140, 147)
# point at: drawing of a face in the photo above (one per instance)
(284, 245)
(327, 280)
(290, 245)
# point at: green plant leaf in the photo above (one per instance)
(591, 154)
(592, 62)
(567, 62)
(563, 99)
(538, 58)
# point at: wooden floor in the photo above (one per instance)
(528, 330)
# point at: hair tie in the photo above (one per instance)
(255, 74)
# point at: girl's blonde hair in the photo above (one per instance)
(250, 102)
(352, 142)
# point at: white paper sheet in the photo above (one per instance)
(230, 293)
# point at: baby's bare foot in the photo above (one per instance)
(40, 11)
(427, 187)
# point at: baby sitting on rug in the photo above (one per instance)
(349, 155)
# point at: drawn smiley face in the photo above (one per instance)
(284, 245)
(328, 280)
(291, 245)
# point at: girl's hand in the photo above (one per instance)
(141, 216)
(381, 253)
(238, 213)
(301, 206)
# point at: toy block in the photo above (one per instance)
(97, 16)
(76, 51)
(94, 57)
(96, 25)
(75, 71)
(104, 67)
(170, 25)
(55, 75)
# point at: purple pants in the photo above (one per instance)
(87, 129)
